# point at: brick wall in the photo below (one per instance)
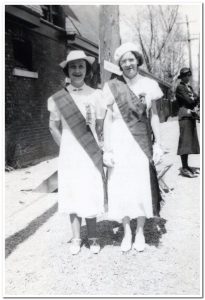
(28, 139)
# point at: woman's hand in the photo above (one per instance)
(157, 153)
(108, 159)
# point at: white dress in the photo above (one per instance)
(80, 186)
(129, 187)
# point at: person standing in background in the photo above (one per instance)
(188, 140)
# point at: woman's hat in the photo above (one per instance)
(184, 72)
(75, 55)
(127, 47)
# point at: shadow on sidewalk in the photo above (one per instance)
(111, 232)
(19, 237)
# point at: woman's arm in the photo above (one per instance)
(54, 121)
(155, 124)
(107, 145)
(107, 126)
(54, 127)
(183, 97)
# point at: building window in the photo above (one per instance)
(51, 13)
(22, 53)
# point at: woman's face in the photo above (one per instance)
(186, 78)
(77, 72)
(129, 65)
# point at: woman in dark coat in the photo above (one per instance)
(188, 140)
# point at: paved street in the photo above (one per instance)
(38, 262)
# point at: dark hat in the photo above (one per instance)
(184, 72)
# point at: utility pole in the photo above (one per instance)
(189, 46)
(188, 40)
(109, 37)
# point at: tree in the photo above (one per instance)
(156, 31)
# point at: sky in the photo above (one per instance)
(194, 17)
(192, 11)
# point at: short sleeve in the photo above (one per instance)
(154, 93)
(108, 97)
(54, 112)
(100, 106)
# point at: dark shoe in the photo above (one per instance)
(194, 170)
(94, 245)
(187, 173)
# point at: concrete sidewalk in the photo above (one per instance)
(38, 261)
(22, 206)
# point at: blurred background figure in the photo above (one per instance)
(188, 103)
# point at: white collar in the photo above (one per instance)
(72, 88)
(134, 80)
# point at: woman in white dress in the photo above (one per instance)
(80, 170)
(133, 190)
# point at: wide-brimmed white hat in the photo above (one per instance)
(75, 55)
(127, 47)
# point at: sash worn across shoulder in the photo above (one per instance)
(134, 114)
(77, 124)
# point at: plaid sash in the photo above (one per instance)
(77, 124)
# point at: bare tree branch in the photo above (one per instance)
(146, 57)
(160, 40)
(169, 29)
(151, 30)
(163, 18)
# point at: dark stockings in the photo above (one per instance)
(91, 227)
(76, 225)
(184, 159)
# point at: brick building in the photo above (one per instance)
(37, 39)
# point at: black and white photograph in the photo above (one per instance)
(102, 178)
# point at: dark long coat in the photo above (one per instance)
(187, 101)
